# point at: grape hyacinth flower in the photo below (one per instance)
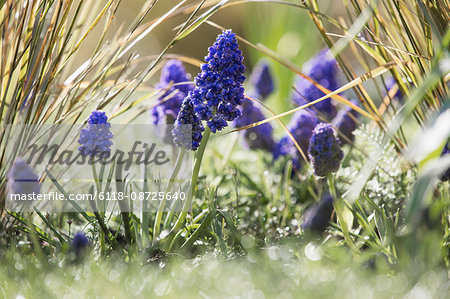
(301, 126)
(317, 217)
(22, 179)
(166, 110)
(188, 128)
(261, 80)
(446, 175)
(345, 123)
(259, 137)
(325, 150)
(79, 242)
(217, 93)
(323, 69)
(218, 88)
(95, 140)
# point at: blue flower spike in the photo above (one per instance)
(317, 217)
(22, 179)
(261, 80)
(325, 150)
(167, 109)
(95, 140)
(390, 84)
(217, 94)
(345, 123)
(323, 69)
(301, 126)
(259, 137)
(218, 88)
(188, 128)
(79, 242)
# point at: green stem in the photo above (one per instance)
(126, 216)
(96, 178)
(339, 207)
(99, 215)
(159, 214)
(145, 214)
(105, 230)
(229, 152)
(187, 205)
(35, 240)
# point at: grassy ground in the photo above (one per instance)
(283, 272)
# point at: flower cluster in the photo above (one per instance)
(79, 242)
(22, 179)
(218, 92)
(301, 127)
(323, 69)
(218, 88)
(95, 140)
(259, 137)
(446, 175)
(345, 123)
(172, 74)
(317, 217)
(261, 80)
(325, 150)
(188, 128)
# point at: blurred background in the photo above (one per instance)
(287, 30)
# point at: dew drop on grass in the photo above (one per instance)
(18, 266)
(248, 241)
(273, 253)
(313, 252)
(164, 233)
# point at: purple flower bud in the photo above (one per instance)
(259, 137)
(390, 84)
(79, 242)
(188, 129)
(261, 79)
(167, 109)
(22, 179)
(301, 127)
(345, 123)
(317, 217)
(323, 69)
(325, 150)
